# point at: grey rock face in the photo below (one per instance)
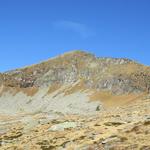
(118, 85)
(60, 75)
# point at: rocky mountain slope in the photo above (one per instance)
(97, 73)
(76, 101)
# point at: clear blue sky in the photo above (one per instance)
(34, 30)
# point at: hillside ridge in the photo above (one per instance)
(118, 75)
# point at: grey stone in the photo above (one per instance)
(63, 126)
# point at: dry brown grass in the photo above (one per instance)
(127, 69)
(31, 91)
(110, 100)
(78, 87)
(53, 88)
(5, 89)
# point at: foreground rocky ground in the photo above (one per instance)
(116, 128)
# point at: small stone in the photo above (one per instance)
(114, 123)
(63, 126)
(110, 139)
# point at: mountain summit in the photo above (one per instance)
(116, 75)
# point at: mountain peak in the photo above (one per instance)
(117, 75)
(79, 53)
